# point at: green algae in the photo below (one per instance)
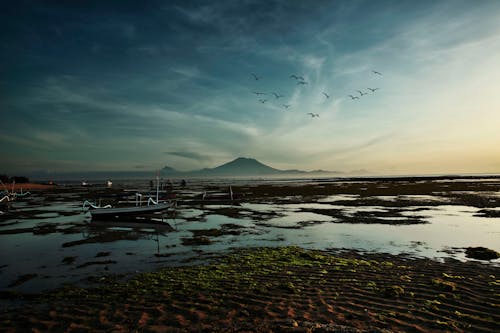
(233, 272)
(432, 305)
(405, 278)
(444, 285)
(446, 324)
(371, 285)
(450, 276)
(394, 291)
(471, 316)
(196, 240)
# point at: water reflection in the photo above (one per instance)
(59, 243)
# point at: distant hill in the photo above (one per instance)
(169, 170)
(243, 166)
(240, 166)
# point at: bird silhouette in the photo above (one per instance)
(286, 106)
(326, 95)
(361, 93)
(262, 100)
(256, 77)
(378, 73)
(313, 115)
(373, 89)
(302, 82)
(259, 93)
(353, 97)
(277, 95)
(298, 78)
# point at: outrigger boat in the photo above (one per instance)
(7, 197)
(10, 196)
(107, 212)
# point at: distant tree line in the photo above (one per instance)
(17, 179)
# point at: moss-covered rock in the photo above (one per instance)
(481, 253)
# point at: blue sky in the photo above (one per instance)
(128, 85)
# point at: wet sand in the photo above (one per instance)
(285, 289)
(475, 192)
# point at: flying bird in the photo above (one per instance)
(256, 77)
(313, 115)
(259, 93)
(353, 97)
(373, 89)
(378, 73)
(326, 95)
(277, 95)
(299, 78)
(262, 100)
(302, 82)
(362, 93)
(286, 106)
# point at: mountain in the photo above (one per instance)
(169, 170)
(243, 166)
(240, 166)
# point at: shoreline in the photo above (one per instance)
(27, 186)
(283, 289)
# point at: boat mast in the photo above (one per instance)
(157, 186)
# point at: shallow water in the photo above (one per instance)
(59, 243)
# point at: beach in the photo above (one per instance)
(284, 289)
(290, 256)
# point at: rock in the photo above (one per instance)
(481, 253)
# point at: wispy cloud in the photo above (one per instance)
(176, 79)
(191, 155)
(189, 72)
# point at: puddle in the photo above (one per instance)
(47, 215)
(339, 197)
(37, 236)
(297, 220)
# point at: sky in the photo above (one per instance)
(139, 85)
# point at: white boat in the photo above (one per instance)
(108, 212)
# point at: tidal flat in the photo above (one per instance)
(288, 256)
